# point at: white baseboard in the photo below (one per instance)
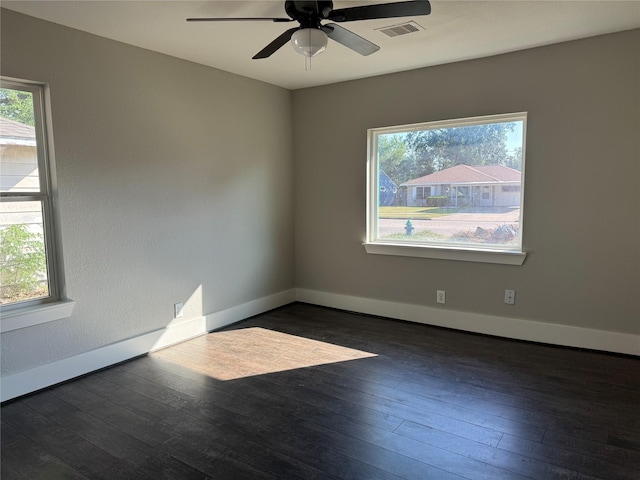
(534, 331)
(44, 376)
(249, 309)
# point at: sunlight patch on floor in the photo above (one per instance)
(253, 351)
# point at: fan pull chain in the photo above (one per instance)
(317, 10)
(307, 60)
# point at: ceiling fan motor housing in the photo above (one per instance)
(308, 13)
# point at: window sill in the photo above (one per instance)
(35, 315)
(447, 253)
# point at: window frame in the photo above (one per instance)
(54, 306)
(438, 250)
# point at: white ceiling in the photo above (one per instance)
(455, 30)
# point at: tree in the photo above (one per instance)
(397, 160)
(17, 105)
(22, 263)
(442, 148)
(391, 156)
(515, 159)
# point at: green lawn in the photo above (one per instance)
(417, 236)
(414, 213)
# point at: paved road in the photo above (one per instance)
(450, 224)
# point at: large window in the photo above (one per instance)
(28, 275)
(459, 184)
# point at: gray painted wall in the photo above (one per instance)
(581, 226)
(174, 184)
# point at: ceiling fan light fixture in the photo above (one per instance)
(309, 41)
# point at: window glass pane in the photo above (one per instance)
(457, 183)
(23, 265)
(18, 152)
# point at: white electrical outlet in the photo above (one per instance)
(510, 297)
(441, 297)
(178, 310)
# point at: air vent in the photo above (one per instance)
(401, 29)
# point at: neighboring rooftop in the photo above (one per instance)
(469, 174)
(10, 129)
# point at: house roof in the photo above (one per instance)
(16, 132)
(11, 128)
(469, 174)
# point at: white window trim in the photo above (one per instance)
(457, 252)
(36, 315)
(57, 307)
(446, 253)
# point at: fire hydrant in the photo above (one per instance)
(408, 227)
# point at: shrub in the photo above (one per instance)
(23, 264)
(437, 201)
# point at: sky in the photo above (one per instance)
(514, 139)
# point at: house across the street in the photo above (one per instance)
(19, 171)
(466, 185)
(19, 157)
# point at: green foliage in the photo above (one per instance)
(437, 201)
(468, 145)
(421, 235)
(410, 155)
(414, 213)
(17, 105)
(392, 153)
(515, 159)
(23, 264)
(398, 160)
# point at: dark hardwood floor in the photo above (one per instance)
(305, 392)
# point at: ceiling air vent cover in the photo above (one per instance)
(401, 29)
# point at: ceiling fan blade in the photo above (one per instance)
(249, 19)
(385, 10)
(350, 39)
(275, 45)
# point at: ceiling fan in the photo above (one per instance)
(311, 36)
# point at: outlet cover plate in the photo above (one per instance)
(510, 297)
